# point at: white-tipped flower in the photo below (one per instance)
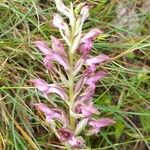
(84, 13)
(62, 8)
(58, 21)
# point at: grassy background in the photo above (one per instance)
(123, 94)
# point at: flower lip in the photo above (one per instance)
(46, 88)
(43, 47)
(65, 134)
(57, 45)
(91, 35)
(52, 113)
(97, 59)
(98, 124)
(87, 110)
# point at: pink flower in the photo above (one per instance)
(95, 77)
(46, 88)
(58, 58)
(58, 21)
(57, 53)
(62, 8)
(98, 124)
(89, 78)
(86, 42)
(57, 45)
(86, 47)
(84, 13)
(87, 94)
(67, 136)
(52, 113)
(43, 47)
(48, 64)
(97, 59)
(87, 110)
(91, 35)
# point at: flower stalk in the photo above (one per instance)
(78, 88)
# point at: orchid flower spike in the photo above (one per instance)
(74, 75)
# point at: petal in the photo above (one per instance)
(58, 90)
(103, 122)
(58, 21)
(86, 47)
(78, 65)
(62, 8)
(40, 84)
(50, 113)
(84, 13)
(96, 77)
(43, 47)
(48, 63)
(44, 108)
(86, 109)
(46, 88)
(88, 93)
(91, 35)
(58, 115)
(77, 142)
(97, 59)
(65, 134)
(59, 58)
(57, 45)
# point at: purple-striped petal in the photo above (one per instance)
(97, 59)
(91, 35)
(86, 42)
(44, 108)
(66, 135)
(57, 45)
(43, 47)
(46, 88)
(86, 47)
(87, 110)
(40, 84)
(53, 114)
(58, 58)
(77, 142)
(98, 124)
(88, 93)
(48, 63)
(96, 77)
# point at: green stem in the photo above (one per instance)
(71, 90)
(71, 76)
